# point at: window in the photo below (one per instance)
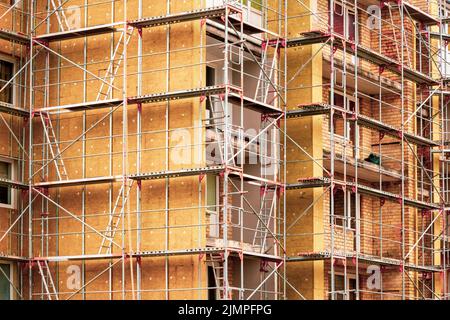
(8, 2)
(448, 282)
(6, 73)
(445, 61)
(212, 291)
(448, 227)
(5, 192)
(255, 4)
(344, 21)
(210, 76)
(344, 217)
(5, 285)
(339, 287)
(212, 204)
(339, 124)
(210, 81)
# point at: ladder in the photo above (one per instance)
(216, 117)
(263, 85)
(397, 41)
(269, 195)
(228, 138)
(115, 218)
(55, 151)
(47, 280)
(265, 217)
(261, 77)
(216, 262)
(60, 15)
(113, 67)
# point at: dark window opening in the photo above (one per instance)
(210, 81)
(5, 192)
(343, 217)
(6, 73)
(339, 288)
(211, 285)
(8, 2)
(338, 121)
(5, 286)
(210, 76)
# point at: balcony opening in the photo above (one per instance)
(339, 287)
(343, 129)
(344, 209)
(212, 204)
(343, 21)
(5, 285)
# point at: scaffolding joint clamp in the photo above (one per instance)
(41, 42)
(263, 265)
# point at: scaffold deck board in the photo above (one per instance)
(187, 16)
(14, 36)
(419, 15)
(307, 38)
(315, 37)
(437, 35)
(161, 253)
(420, 141)
(318, 182)
(77, 182)
(177, 173)
(363, 120)
(13, 184)
(12, 258)
(314, 182)
(182, 94)
(234, 97)
(313, 109)
(10, 109)
(323, 255)
(147, 176)
(78, 33)
(83, 106)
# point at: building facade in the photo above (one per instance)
(212, 149)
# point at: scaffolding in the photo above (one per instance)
(222, 149)
(377, 173)
(82, 124)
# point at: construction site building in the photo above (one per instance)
(224, 149)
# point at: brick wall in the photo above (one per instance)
(380, 224)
